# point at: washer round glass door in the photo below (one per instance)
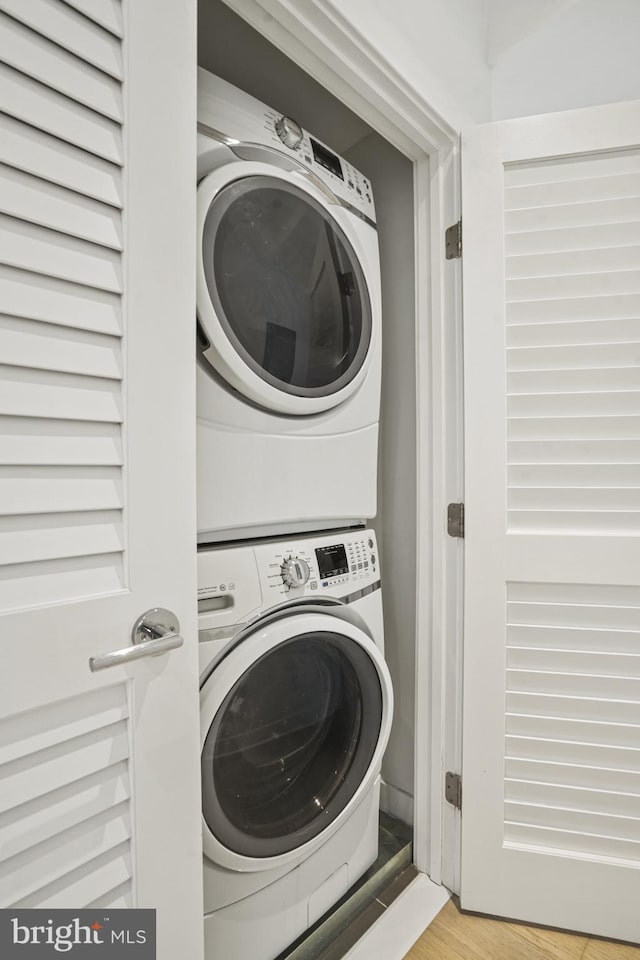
(282, 284)
(293, 739)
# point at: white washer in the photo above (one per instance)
(296, 705)
(288, 297)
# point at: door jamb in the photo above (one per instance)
(328, 47)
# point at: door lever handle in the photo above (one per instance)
(153, 633)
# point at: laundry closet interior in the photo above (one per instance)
(231, 49)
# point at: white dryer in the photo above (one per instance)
(288, 299)
(296, 708)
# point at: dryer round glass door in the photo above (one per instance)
(292, 741)
(287, 292)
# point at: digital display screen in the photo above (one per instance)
(332, 561)
(326, 159)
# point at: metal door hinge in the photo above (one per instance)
(455, 519)
(453, 241)
(453, 789)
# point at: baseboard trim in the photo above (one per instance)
(398, 928)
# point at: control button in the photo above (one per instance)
(295, 572)
(223, 587)
(232, 586)
(314, 584)
(370, 542)
(373, 559)
(359, 566)
(289, 132)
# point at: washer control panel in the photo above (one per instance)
(235, 583)
(336, 564)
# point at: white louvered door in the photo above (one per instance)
(99, 794)
(551, 742)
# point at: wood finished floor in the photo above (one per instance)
(456, 936)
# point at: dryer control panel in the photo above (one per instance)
(243, 120)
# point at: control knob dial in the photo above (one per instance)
(289, 132)
(295, 572)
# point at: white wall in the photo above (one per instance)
(437, 46)
(587, 53)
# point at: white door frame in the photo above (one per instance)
(316, 37)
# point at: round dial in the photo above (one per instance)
(295, 572)
(289, 132)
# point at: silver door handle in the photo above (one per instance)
(153, 633)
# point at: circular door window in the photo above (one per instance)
(286, 287)
(290, 744)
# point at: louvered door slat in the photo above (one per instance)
(615, 186)
(594, 778)
(107, 13)
(624, 332)
(38, 393)
(582, 380)
(28, 538)
(35, 152)
(24, 294)
(31, 343)
(48, 441)
(565, 169)
(62, 24)
(59, 489)
(32, 53)
(555, 217)
(590, 236)
(587, 638)
(35, 103)
(36, 201)
(577, 261)
(570, 707)
(611, 283)
(581, 356)
(569, 429)
(27, 247)
(616, 307)
(67, 578)
(582, 799)
(573, 752)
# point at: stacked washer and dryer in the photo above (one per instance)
(296, 698)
